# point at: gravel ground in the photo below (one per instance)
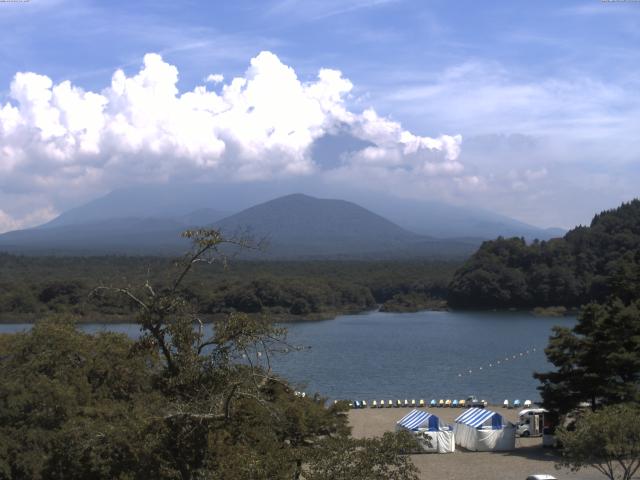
(528, 458)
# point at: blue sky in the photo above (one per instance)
(543, 96)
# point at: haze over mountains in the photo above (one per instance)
(148, 220)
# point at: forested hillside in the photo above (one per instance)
(34, 287)
(587, 264)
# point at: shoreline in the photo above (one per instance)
(280, 318)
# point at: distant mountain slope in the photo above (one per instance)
(431, 218)
(122, 235)
(175, 202)
(302, 225)
(587, 264)
(295, 226)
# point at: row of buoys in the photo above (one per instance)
(500, 361)
(406, 404)
(516, 404)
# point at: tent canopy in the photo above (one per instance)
(476, 417)
(416, 419)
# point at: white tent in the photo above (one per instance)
(483, 430)
(431, 436)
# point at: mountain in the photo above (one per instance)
(174, 201)
(300, 225)
(120, 235)
(295, 226)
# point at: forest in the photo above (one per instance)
(589, 263)
(32, 287)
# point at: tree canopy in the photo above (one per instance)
(597, 361)
(608, 440)
(587, 264)
(178, 403)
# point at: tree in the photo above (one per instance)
(608, 440)
(598, 361)
(181, 402)
(366, 459)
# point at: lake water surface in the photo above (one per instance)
(411, 355)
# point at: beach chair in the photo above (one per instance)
(505, 404)
(433, 403)
(527, 404)
(364, 404)
(413, 403)
(390, 404)
(447, 403)
(398, 403)
(350, 404)
(516, 403)
(374, 404)
(454, 404)
(357, 404)
(421, 403)
(406, 403)
(440, 403)
(462, 403)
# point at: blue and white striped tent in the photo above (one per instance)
(476, 417)
(416, 419)
(481, 430)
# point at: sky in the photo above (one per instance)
(529, 109)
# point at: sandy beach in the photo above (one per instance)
(528, 458)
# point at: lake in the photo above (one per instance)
(411, 355)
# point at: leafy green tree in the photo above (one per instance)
(367, 459)
(598, 361)
(608, 440)
(587, 264)
(182, 402)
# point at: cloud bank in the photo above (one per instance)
(141, 128)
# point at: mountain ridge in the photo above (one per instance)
(432, 218)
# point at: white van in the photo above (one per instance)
(530, 422)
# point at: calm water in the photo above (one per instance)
(411, 355)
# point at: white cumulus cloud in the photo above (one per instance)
(142, 128)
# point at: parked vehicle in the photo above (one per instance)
(472, 401)
(531, 422)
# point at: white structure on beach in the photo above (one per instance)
(432, 436)
(482, 430)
